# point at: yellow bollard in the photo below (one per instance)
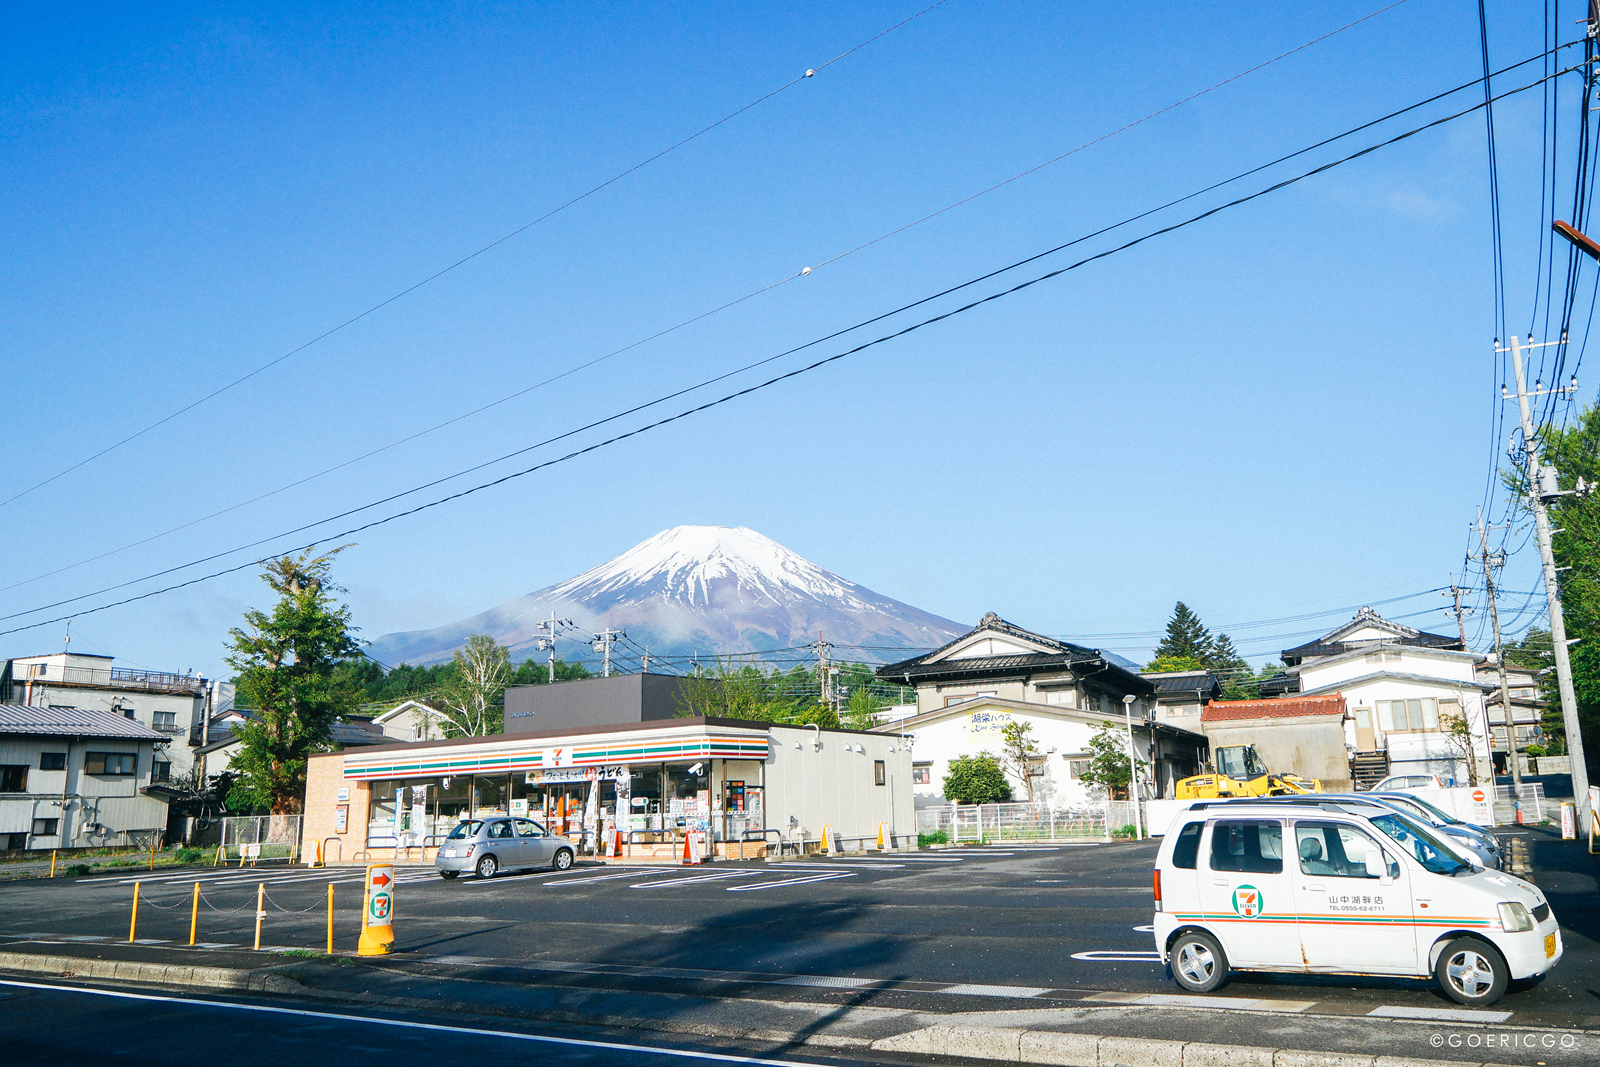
(377, 912)
(152, 851)
(216, 857)
(194, 914)
(261, 904)
(52, 863)
(330, 918)
(133, 923)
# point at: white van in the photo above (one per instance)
(1323, 890)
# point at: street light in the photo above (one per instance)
(1133, 767)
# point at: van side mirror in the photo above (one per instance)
(1376, 867)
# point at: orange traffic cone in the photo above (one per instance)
(687, 861)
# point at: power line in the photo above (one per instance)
(1013, 290)
(713, 311)
(467, 258)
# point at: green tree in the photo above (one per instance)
(1174, 664)
(537, 672)
(861, 708)
(285, 663)
(1574, 450)
(472, 700)
(1017, 752)
(976, 780)
(1186, 637)
(1108, 761)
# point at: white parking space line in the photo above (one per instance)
(994, 990)
(831, 865)
(695, 879)
(791, 881)
(1110, 956)
(641, 873)
(1452, 1015)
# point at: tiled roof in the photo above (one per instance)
(73, 722)
(1279, 708)
(1183, 683)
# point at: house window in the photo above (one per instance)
(120, 764)
(922, 774)
(16, 842)
(45, 827)
(160, 772)
(1405, 715)
(879, 776)
(52, 761)
(169, 719)
(14, 778)
(37, 670)
(1077, 768)
(1091, 703)
(951, 702)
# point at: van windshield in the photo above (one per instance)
(466, 829)
(1438, 813)
(1428, 850)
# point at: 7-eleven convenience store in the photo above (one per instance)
(744, 785)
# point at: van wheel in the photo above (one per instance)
(1198, 963)
(1471, 972)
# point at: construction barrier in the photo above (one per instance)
(377, 912)
(259, 839)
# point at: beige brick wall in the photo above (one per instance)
(324, 779)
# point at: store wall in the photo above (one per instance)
(815, 779)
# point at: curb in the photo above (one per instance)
(261, 981)
(1092, 1050)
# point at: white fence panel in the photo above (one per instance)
(1021, 823)
(257, 838)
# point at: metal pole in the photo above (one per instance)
(1552, 588)
(330, 918)
(133, 923)
(1505, 687)
(1133, 768)
(261, 903)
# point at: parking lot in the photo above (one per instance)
(995, 926)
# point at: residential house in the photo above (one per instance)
(1527, 712)
(1303, 735)
(971, 688)
(411, 720)
(76, 778)
(1182, 695)
(173, 705)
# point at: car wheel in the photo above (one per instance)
(487, 867)
(1198, 963)
(563, 860)
(447, 875)
(1472, 972)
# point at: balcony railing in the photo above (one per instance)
(168, 728)
(112, 678)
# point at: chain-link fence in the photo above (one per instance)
(996, 823)
(260, 838)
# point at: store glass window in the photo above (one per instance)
(381, 825)
(491, 795)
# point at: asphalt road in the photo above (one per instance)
(68, 1026)
(978, 928)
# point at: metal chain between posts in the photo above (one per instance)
(319, 905)
(224, 911)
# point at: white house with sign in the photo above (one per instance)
(999, 673)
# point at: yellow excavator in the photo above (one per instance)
(1240, 773)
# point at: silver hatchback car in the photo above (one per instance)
(489, 846)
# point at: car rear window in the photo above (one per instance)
(1249, 845)
(465, 829)
(1186, 853)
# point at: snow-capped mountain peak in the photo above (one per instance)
(702, 590)
(687, 563)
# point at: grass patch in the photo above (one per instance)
(938, 837)
(77, 870)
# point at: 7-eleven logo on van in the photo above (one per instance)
(1247, 901)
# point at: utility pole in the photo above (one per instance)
(1490, 561)
(1543, 488)
(824, 670)
(602, 644)
(1455, 592)
(547, 643)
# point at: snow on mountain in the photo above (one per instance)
(705, 589)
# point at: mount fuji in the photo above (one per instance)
(691, 589)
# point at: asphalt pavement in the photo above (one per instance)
(994, 928)
(68, 1026)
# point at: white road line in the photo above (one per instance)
(994, 990)
(832, 865)
(825, 982)
(408, 1024)
(694, 879)
(1451, 1015)
(791, 881)
(645, 873)
(1118, 957)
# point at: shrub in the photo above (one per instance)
(1127, 831)
(938, 837)
(976, 780)
(189, 855)
(77, 870)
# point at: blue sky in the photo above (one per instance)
(1280, 410)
